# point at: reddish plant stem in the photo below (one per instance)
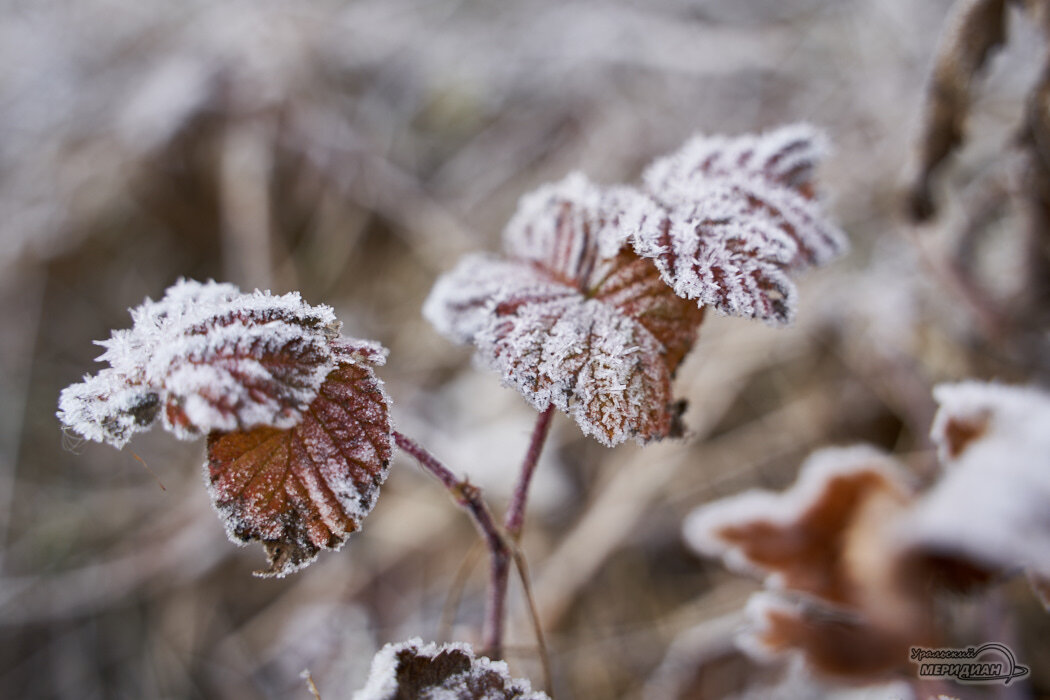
(468, 497)
(515, 516)
(512, 523)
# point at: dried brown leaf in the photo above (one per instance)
(303, 489)
(412, 670)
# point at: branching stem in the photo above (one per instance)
(515, 516)
(468, 497)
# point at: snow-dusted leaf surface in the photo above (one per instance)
(573, 317)
(207, 357)
(991, 507)
(303, 489)
(801, 539)
(417, 671)
(742, 214)
(299, 435)
(601, 289)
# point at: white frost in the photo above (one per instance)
(453, 673)
(555, 346)
(740, 218)
(723, 221)
(207, 357)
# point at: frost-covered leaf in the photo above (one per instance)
(808, 538)
(990, 510)
(302, 489)
(575, 318)
(741, 215)
(836, 642)
(828, 549)
(299, 435)
(207, 357)
(306, 488)
(601, 289)
(419, 671)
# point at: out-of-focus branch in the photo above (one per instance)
(977, 28)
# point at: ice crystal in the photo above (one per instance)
(600, 291)
(207, 357)
(412, 669)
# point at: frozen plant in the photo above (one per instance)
(412, 669)
(298, 427)
(591, 310)
(856, 560)
(600, 290)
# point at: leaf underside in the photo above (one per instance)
(306, 488)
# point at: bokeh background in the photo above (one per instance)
(353, 151)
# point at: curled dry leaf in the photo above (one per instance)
(420, 671)
(858, 559)
(206, 357)
(837, 642)
(808, 538)
(601, 290)
(303, 489)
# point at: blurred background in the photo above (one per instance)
(353, 151)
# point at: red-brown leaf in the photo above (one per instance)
(306, 488)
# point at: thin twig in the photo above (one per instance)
(537, 626)
(455, 592)
(468, 497)
(310, 685)
(515, 516)
(512, 523)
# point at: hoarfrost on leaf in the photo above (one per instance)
(574, 318)
(742, 214)
(299, 434)
(207, 357)
(840, 643)
(412, 669)
(601, 289)
(801, 538)
(303, 489)
(827, 551)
